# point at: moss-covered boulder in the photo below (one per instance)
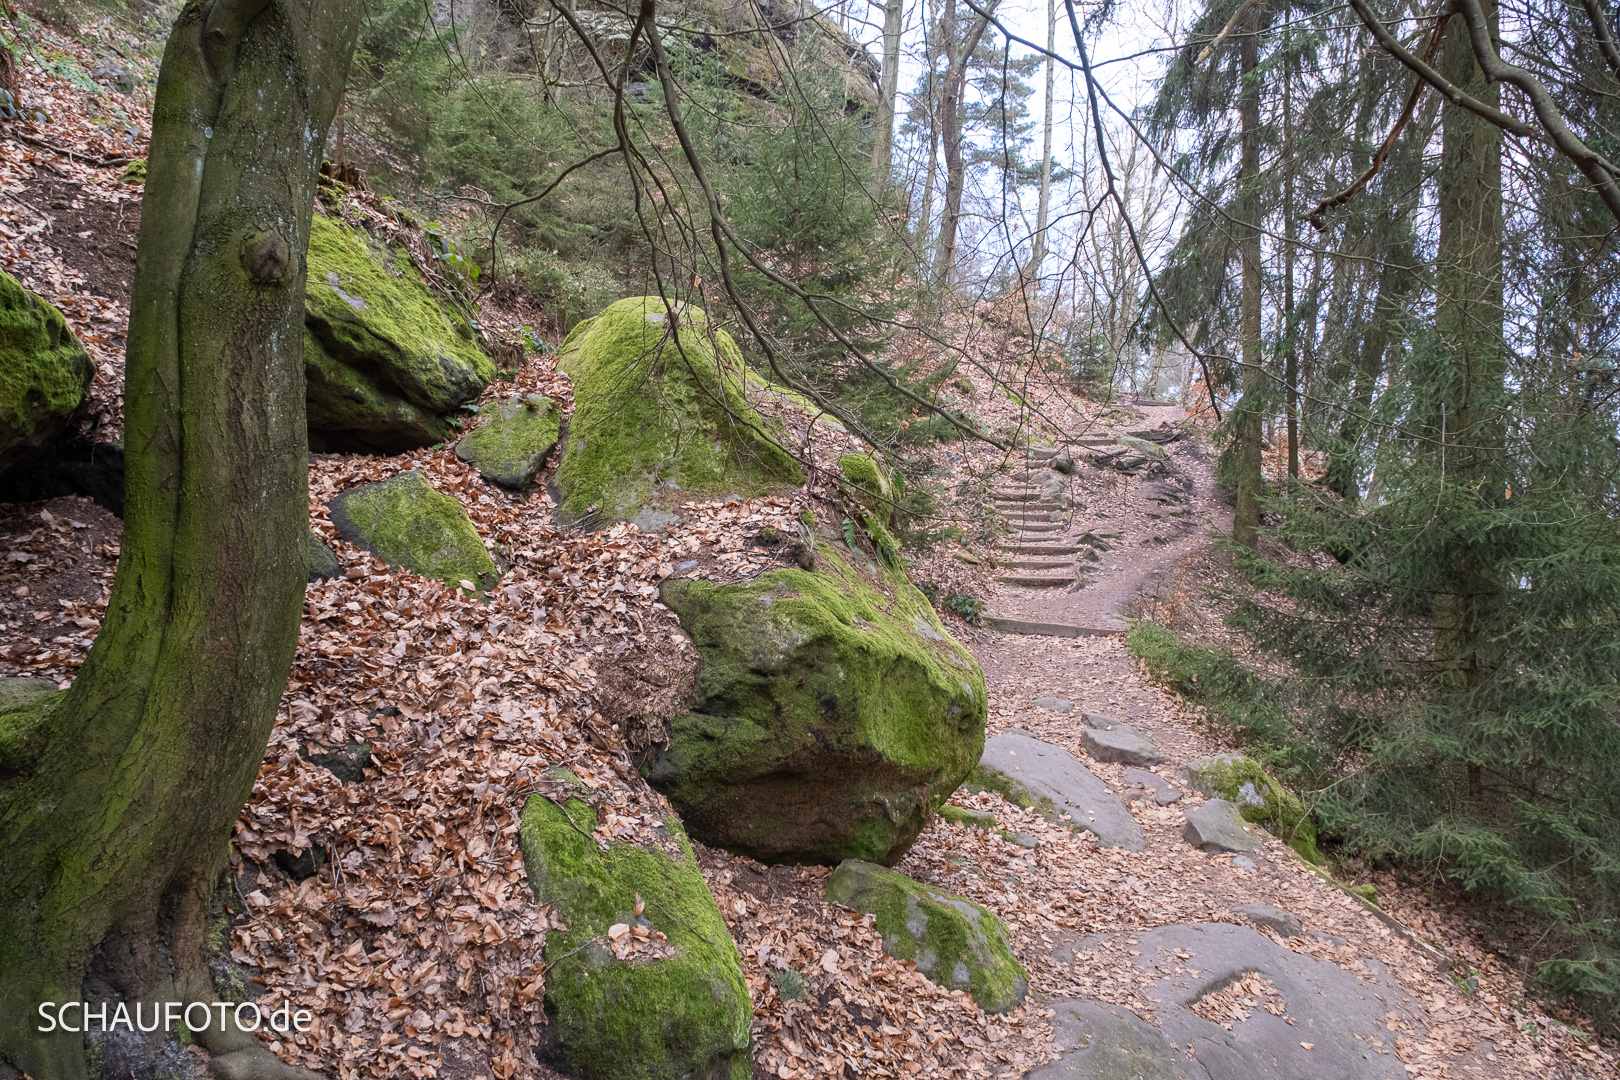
(869, 482)
(1259, 798)
(44, 371)
(954, 941)
(406, 522)
(644, 983)
(386, 363)
(512, 444)
(833, 714)
(660, 415)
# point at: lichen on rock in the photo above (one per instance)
(660, 411)
(833, 714)
(408, 523)
(511, 445)
(673, 1008)
(1258, 796)
(387, 364)
(955, 942)
(44, 371)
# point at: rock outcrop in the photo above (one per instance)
(387, 364)
(512, 443)
(833, 714)
(44, 372)
(955, 942)
(660, 415)
(1245, 784)
(643, 981)
(1049, 778)
(408, 523)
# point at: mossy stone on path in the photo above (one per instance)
(665, 1018)
(406, 522)
(872, 488)
(1245, 784)
(954, 941)
(511, 445)
(44, 371)
(660, 414)
(833, 715)
(387, 363)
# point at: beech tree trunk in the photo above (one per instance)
(114, 824)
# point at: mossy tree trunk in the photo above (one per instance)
(114, 829)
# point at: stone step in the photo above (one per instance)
(1018, 496)
(1035, 581)
(1037, 564)
(1026, 512)
(1038, 526)
(1041, 549)
(1045, 629)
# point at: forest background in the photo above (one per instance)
(1390, 277)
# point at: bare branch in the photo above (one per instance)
(1226, 31)
(1603, 33)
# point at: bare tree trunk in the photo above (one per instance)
(958, 56)
(1044, 206)
(114, 824)
(1290, 237)
(1245, 449)
(894, 16)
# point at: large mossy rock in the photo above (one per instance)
(660, 415)
(408, 523)
(833, 714)
(955, 942)
(1259, 798)
(44, 371)
(387, 364)
(680, 1009)
(512, 444)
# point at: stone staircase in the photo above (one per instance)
(1035, 554)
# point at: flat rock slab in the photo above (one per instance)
(1109, 1042)
(1342, 1019)
(1121, 743)
(1216, 826)
(1052, 773)
(1284, 922)
(1054, 704)
(1098, 720)
(1164, 792)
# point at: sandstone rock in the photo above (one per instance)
(511, 445)
(1054, 704)
(1164, 792)
(1032, 773)
(1285, 923)
(644, 981)
(954, 941)
(1244, 783)
(1109, 1042)
(833, 714)
(1216, 826)
(44, 372)
(1121, 743)
(406, 522)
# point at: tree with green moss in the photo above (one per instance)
(117, 796)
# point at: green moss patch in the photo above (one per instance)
(660, 409)
(406, 522)
(954, 941)
(387, 364)
(679, 1011)
(24, 705)
(833, 714)
(871, 486)
(44, 371)
(512, 444)
(1258, 796)
(972, 818)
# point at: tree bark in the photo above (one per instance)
(1469, 328)
(1043, 207)
(1290, 227)
(894, 15)
(958, 56)
(1245, 449)
(114, 829)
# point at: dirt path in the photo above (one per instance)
(1083, 916)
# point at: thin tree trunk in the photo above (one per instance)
(958, 56)
(1245, 449)
(114, 828)
(894, 16)
(1044, 206)
(1290, 237)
